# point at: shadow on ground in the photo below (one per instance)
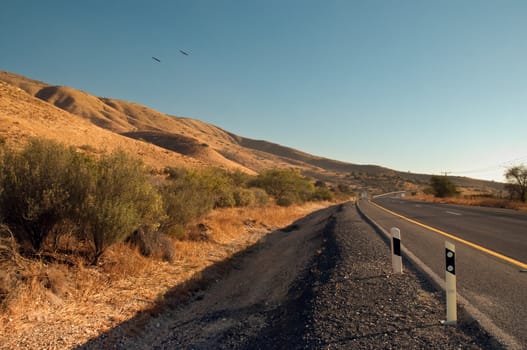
(194, 289)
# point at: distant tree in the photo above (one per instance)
(517, 182)
(514, 191)
(442, 186)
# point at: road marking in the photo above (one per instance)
(451, 236)
(452, 212)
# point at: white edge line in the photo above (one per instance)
(485, 322)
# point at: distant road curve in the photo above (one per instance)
(497, 287)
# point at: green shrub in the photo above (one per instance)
(191, 194)
(42, 186)
(185, 197)
(261, 198)
(286, 186)
(285, 200)
(244, 197)
(442, 187)
(122, 200)
(219, 185)
(322, 194)
(239, 178)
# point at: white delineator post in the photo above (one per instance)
(450, 279)
(397, 260)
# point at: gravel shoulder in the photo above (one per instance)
(324, 282)
(360, 304)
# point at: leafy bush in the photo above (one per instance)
(285, 200)
(191, 194)
(322, 194)
(261, 198)
(239, 178)
(442, 187)
(185, 197)
(121, 201)
(213, 185)
(343, 191)
(42, 185)
(244, 197)
(220, 186)
(286, 186)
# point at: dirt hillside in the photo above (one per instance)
(203, 143)
(193, 138)
(23, 116)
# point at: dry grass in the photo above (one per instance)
(77, 118)
(474, 201)
(51, 305)
(23, 116)
(89, 116)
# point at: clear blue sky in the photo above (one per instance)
(420, 86)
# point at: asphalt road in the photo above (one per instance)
(501, 230)
(497, 288)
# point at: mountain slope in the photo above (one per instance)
(186, 141)
(134, 120)
(325, 163)
(23, 116)
(20, 111)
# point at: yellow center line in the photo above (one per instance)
(470, 244)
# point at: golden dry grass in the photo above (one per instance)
(474, 201)
(115, 117)
(225, 149)
(23, 116)
(58, 306)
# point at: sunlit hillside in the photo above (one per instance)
(98, 124)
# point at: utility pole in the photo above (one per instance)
(445, 173)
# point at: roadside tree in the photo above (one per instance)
(517, 182)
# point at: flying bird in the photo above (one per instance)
(156, 59)
(183, 52)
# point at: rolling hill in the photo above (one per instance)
(99, 124)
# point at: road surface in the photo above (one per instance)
(494, 285)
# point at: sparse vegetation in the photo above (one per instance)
(441, 186)
(47, 189)
(185, 198)
(322, 192)
(286, 186)
(62, 209)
